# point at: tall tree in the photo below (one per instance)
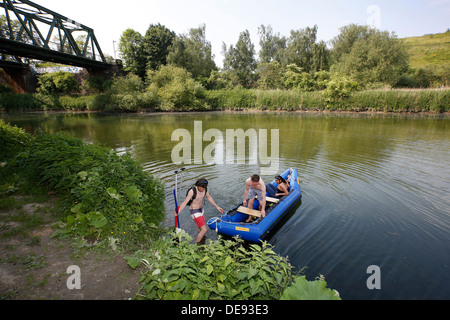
(130, 48)
(369, 55)
(193, 53)
(240, 60)
(304, 51)
(156, 44)
(273, 46)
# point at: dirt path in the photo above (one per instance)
(35, 266)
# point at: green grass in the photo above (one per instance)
(430, 51)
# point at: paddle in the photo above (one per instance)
(177, 219)
(175, 195)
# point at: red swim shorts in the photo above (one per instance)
(199, 217)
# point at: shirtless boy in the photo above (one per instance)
(255, 186)
(196, 206)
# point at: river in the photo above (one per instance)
(376, 188)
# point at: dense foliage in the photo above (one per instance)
(175, 269)
(103, 197)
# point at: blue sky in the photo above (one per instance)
(225, 19)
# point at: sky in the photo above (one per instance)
(226, 19)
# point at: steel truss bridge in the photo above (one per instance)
(32, 31)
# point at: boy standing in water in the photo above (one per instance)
(194, 199)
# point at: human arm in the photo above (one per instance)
(184, 204)
(211, 200)
(247, 187)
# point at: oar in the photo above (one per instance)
(177, 219)
(175, 195)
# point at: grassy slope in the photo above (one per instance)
(430, 51)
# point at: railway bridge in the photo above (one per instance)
(31, 31)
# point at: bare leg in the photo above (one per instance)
(201, 234)
(250, 205)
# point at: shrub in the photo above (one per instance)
(104, 196)
(339, 88)
(12, 140)
(19, 102)
(221, 270)
(176, 88)
(58, 83)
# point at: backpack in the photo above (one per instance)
(195, 194)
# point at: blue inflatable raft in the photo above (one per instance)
(233, 222)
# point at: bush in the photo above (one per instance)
(19, 102)
(339, 88)
(176, 89)
(104, 196)
(221, 270)
(12, 141)
(58, 83)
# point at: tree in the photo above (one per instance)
(303, 51)
(193, 53)
(273, 47)
(131, 52)
(270, 75)
(369, 55)
(240, 60)
(156, 44)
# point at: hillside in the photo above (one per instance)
(431, 51)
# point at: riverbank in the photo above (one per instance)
(387, 101)
(33, 264)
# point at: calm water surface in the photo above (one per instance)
(376, 188)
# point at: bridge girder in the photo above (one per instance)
(35, 21)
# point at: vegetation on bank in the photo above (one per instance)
(107, 201)
(104, 198)
(173, 89)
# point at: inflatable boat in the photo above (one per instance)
(233, 222)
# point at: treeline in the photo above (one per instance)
(169, 72)
(368, 56)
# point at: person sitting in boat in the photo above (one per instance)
(281, 190)
(194, 199)
(255, 187)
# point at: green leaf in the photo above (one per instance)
(77, 208)
(195, 294)
(133, 262)
(204, 259)
(113, 193)
(302, 289)
(209, 269)
(220, 287)
(133, 192)
(251, 273)
(97, 220)
(228, 260)
(82, 175)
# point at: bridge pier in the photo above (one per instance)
(18, 76)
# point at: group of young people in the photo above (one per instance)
(254, 188)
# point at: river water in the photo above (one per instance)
(376, 188)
